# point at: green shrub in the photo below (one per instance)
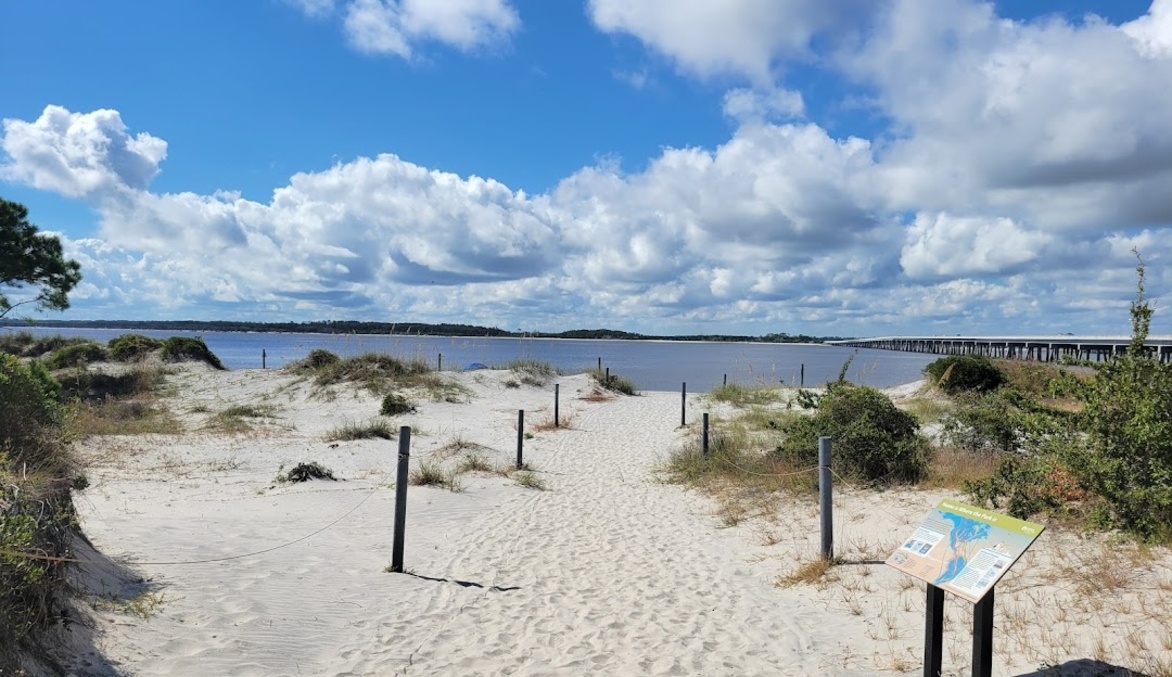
(36, 511)
(30, 416)
(395, 404)
(76, 355)
(533, 372)
(964, 373)
(181, 348)
(1125, 455)
(317, 360)
(130, 347)
(983, 422)
(873, 441)
(26, 344)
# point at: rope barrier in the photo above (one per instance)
(71, 560)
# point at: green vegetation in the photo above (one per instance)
(1107, 460)
(377, 373)
(432, 473)
(373, 429)
(26, 344)
(36, 511)
(304, 472)
(742, 396)
(394, 404)
(533, 372)
(613, 382)
(873, 441)
(964, 373)
(181, 348)
(130, 347)
(76, 355)
(238, 418)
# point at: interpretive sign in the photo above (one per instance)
(964, 549)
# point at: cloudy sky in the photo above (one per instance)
(846, 167)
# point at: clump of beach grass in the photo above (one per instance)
(529, 480)
(532, 372)
(743, 396)
(433, 473)
(240, 418)
(375, 428)
(613, 382)
(377, 373)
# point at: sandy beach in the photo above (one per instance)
(205, 564)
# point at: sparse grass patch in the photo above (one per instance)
(955, 467)
(120, 417)
(818, 570)
(433, 473)
(474, 462)
(529, 480)
(742, 396)
(565, 422)
(350, 430)
(927, 409)
(238, 418)
(532, 372)
(129, 347)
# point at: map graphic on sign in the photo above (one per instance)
(964, 549)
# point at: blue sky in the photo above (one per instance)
(664, 166)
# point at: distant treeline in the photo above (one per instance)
(398, 328)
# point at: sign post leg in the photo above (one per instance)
(983, 636)
(934, 632)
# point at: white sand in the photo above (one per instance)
(608, 572)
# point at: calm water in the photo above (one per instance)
(652, 365)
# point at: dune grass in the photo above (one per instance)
(377, 373)
(613, 382)
(375, 428)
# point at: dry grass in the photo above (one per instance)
(434, 474)
(529, 480)
(951, 467)
(350, 430)
(565, 422)
(240, 418)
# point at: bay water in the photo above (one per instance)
(650, 364)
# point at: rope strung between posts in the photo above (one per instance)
(71, 560)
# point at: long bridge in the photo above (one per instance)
(1040, 348)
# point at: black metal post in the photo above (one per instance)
(556, 397)
(802, 382)
(934, 632)
(725, 379)
(825, 498)
(439, 362)
(983, 636)
(401, 499)
(263, 359)
(704, 444)
(520, 436)
(684, 404)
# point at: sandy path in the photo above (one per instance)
(608, 572)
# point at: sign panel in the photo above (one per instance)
(964, 549)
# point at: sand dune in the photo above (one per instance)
(606, 572)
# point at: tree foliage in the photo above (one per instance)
(30, 259)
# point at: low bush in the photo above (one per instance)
(304, 472)
(36, 510)
(533, 372)
(742, 396)
(27, 344)
(76, 355)
(395, 404)
(130, 347)
(183, 348)
(360, 431)
(874, 441)
(964, 373)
